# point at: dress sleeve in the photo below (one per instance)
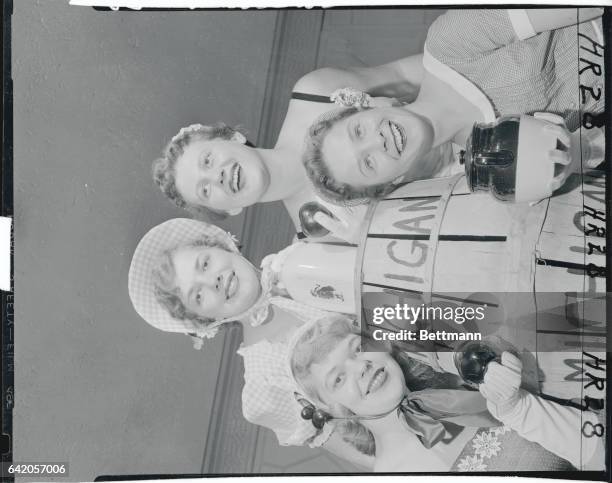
(268, 397)
(463, 35)
(275, 408)
(558, 428)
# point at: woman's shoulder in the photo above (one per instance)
(461, 35)
(322, 82)
(263, 358)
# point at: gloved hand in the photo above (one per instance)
(583, 148)
(502, 386)
(557, 428)
(345, 222)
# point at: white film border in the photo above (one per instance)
(5, 253)
(176, 4)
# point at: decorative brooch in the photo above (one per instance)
(349, 97)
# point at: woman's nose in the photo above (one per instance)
(375, 142)
(359, 365)
(212, 281)
(221, 177)
(216, 175)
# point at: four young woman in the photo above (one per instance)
(189, 277)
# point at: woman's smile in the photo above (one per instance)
(394, 138)
(399, 137)
(213, 282)
(221, 175)
(366, 383)
(377, 380)
(376, 146)
(236, 178)
(232, 178)
(232, 284)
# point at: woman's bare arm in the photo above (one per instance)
(401, 78)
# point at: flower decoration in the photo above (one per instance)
(349, 97)
(472, 463)
(486, 445)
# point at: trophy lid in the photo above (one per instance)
(490, 156)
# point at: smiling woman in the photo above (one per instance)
(379, 143)
(340, 383)
(221, 174)
(371, 148)
(188, 276)
(211, 282)
(468, 78)
(209, 168)
(366, 386)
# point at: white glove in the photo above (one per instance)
(501, 386)
(584, 148)
(557, 428)
(346, 222)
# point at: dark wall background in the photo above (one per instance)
(97, 95)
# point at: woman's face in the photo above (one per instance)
(376, 146)
(221, 175)
(213, 282)
(367, 383)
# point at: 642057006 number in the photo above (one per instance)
(16, 470)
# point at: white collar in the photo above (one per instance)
(462, 85)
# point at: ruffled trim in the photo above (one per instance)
(272, 265)
(322, 436)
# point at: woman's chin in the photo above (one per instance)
(391, 177)
(380, 409)
(240, 308)
(384, 404)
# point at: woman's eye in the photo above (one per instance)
(368, 162)
(338, 380)
(358, 131)
(198, 298)
(207, 161)
(206, 191)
